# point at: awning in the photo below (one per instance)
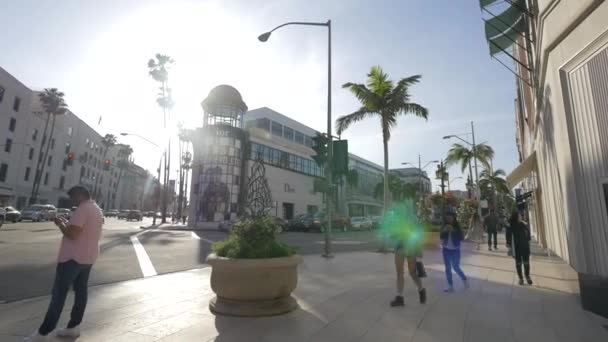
(522, 170)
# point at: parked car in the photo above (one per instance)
(281, 222)
(112, 213)
(295, 223)
(149, 214)
(134, 215)
(361, 222)
(11, 214)
(123, 214)
(226, 225)
(2, 216)
(64, 212)
(376, 221)
(39, 212)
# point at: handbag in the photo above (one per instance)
(420, 271)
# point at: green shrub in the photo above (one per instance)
(254, 238)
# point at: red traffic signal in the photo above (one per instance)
(106, 164)
(70, 158)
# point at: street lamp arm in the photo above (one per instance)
(457, 137)
(307, 23)
(141, 137)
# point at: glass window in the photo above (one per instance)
(26, 177)
(1, 94)
(49, 161)
(46, 178)
(3, 172)
(276, 156)
(16, 104)
(53, 144)
(308, 141)
(70, 131)
(267, 154)
(277, 129)
(287, 133)
(292, 162)
(12, 124)
(35, 134)
(8, 145)
(61, 182)
(299, 138)
(31, 155)
(263, 124)
(67, 148)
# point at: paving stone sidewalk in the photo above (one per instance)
(341, 299)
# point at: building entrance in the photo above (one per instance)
(288, 211)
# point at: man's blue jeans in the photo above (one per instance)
(69, 273)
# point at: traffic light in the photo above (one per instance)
(106, 164)
(70, 158)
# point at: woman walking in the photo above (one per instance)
(518, 241)
(475, 233)
(451, 235)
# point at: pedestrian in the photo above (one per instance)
(78, 252)
(490, 224)
(451, 236)
(184, 217)
(475, 233)
(518, 242)
(406, 233)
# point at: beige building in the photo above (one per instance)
(562, 136)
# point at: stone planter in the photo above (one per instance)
(253, 287)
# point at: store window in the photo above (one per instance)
(16, 104)
(3, 172)
(299, 138)
(12, 125)
(288, 133)
(277, 129)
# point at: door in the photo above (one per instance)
(288, 211)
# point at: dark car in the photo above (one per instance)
(294, 224)
(12, 215)
(134, 215)
(282, 223)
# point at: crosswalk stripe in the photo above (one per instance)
(144, 260)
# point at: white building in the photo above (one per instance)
(22, 122)
(562, 136)
(413, 175)
(232, 137)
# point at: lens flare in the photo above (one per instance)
(401, 226)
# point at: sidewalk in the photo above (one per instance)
(341, 299)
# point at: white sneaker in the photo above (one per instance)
(69, 332)
(36, 337)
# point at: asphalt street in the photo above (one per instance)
(28, 252)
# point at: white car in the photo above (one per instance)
(39, 212)
(360, 222)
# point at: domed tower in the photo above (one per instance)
(218, 158)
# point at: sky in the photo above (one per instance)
(96, 52)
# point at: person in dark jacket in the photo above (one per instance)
(451, 236)
(518, 240)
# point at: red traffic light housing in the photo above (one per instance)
(106, 164)
(70, 158)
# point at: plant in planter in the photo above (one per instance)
(253, 273)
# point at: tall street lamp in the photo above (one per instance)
(472, 144)
(451, 180)
(158, 170)
(263, 38)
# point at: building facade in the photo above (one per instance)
(232, 138)
(562, 137)
(22, 122)
(413, 175)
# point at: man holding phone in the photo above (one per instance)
(78, 252)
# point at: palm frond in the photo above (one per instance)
(365, 96)
(415, 109)
(378, 82)
(404, 84)
(345, 121)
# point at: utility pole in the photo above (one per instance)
(442, 175)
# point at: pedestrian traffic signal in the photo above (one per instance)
(70, 158)
(106, 164)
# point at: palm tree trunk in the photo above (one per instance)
(386, 181)
(46, 154)
(37, 174)
(471, 175)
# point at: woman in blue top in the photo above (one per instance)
(451, 236)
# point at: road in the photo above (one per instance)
(28, 253)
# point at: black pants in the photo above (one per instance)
(492, 233)
(523, 258)
(69, 273)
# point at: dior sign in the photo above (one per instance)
(288, 188)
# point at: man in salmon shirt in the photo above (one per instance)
(78, 252)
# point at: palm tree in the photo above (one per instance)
(53, 104)
(381, 98)
(158, 70)
(495, 182)
(459, 153)
(399, 190)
